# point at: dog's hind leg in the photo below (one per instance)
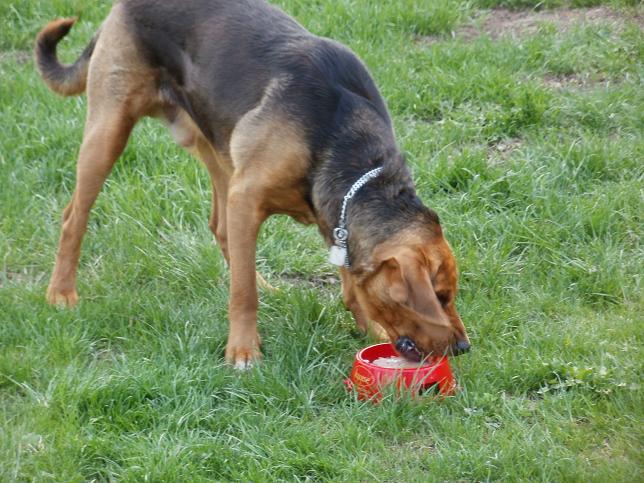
(219, 167)
(104, 139)
(187, 135)
(120, 90)
(218, 218)
(219, 178)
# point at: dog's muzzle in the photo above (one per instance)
(461, 347)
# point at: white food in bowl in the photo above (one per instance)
(396, 362)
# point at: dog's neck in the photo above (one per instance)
(362, 139)
(381, 208)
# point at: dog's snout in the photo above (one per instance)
(461, 347)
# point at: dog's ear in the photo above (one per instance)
(396, 285)
(408, 283)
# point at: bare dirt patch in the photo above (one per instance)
(499, 153)
(576, 81)
(313, 281)
(503, 23)
(516, 24)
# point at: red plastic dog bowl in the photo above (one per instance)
(368, 379)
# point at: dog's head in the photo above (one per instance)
(409, 288)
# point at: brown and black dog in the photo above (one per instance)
(285, 122)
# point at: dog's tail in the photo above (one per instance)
(66, 80)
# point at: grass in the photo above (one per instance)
(536, 176)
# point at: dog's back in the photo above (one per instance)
(238, 48)
(215, 59)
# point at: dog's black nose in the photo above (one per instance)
(461, 347)
(407, 348)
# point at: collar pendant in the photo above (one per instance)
(338, 254)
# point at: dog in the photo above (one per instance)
(285, 122)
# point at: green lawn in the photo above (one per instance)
(529, 145)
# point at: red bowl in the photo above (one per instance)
(368, 379)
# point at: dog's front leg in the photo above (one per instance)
(244, 216)
(351, 302)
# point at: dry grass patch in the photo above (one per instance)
(17, 56)
(500, 152)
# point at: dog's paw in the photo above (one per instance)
(66, 298)
(375, 331)
(242, 358)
